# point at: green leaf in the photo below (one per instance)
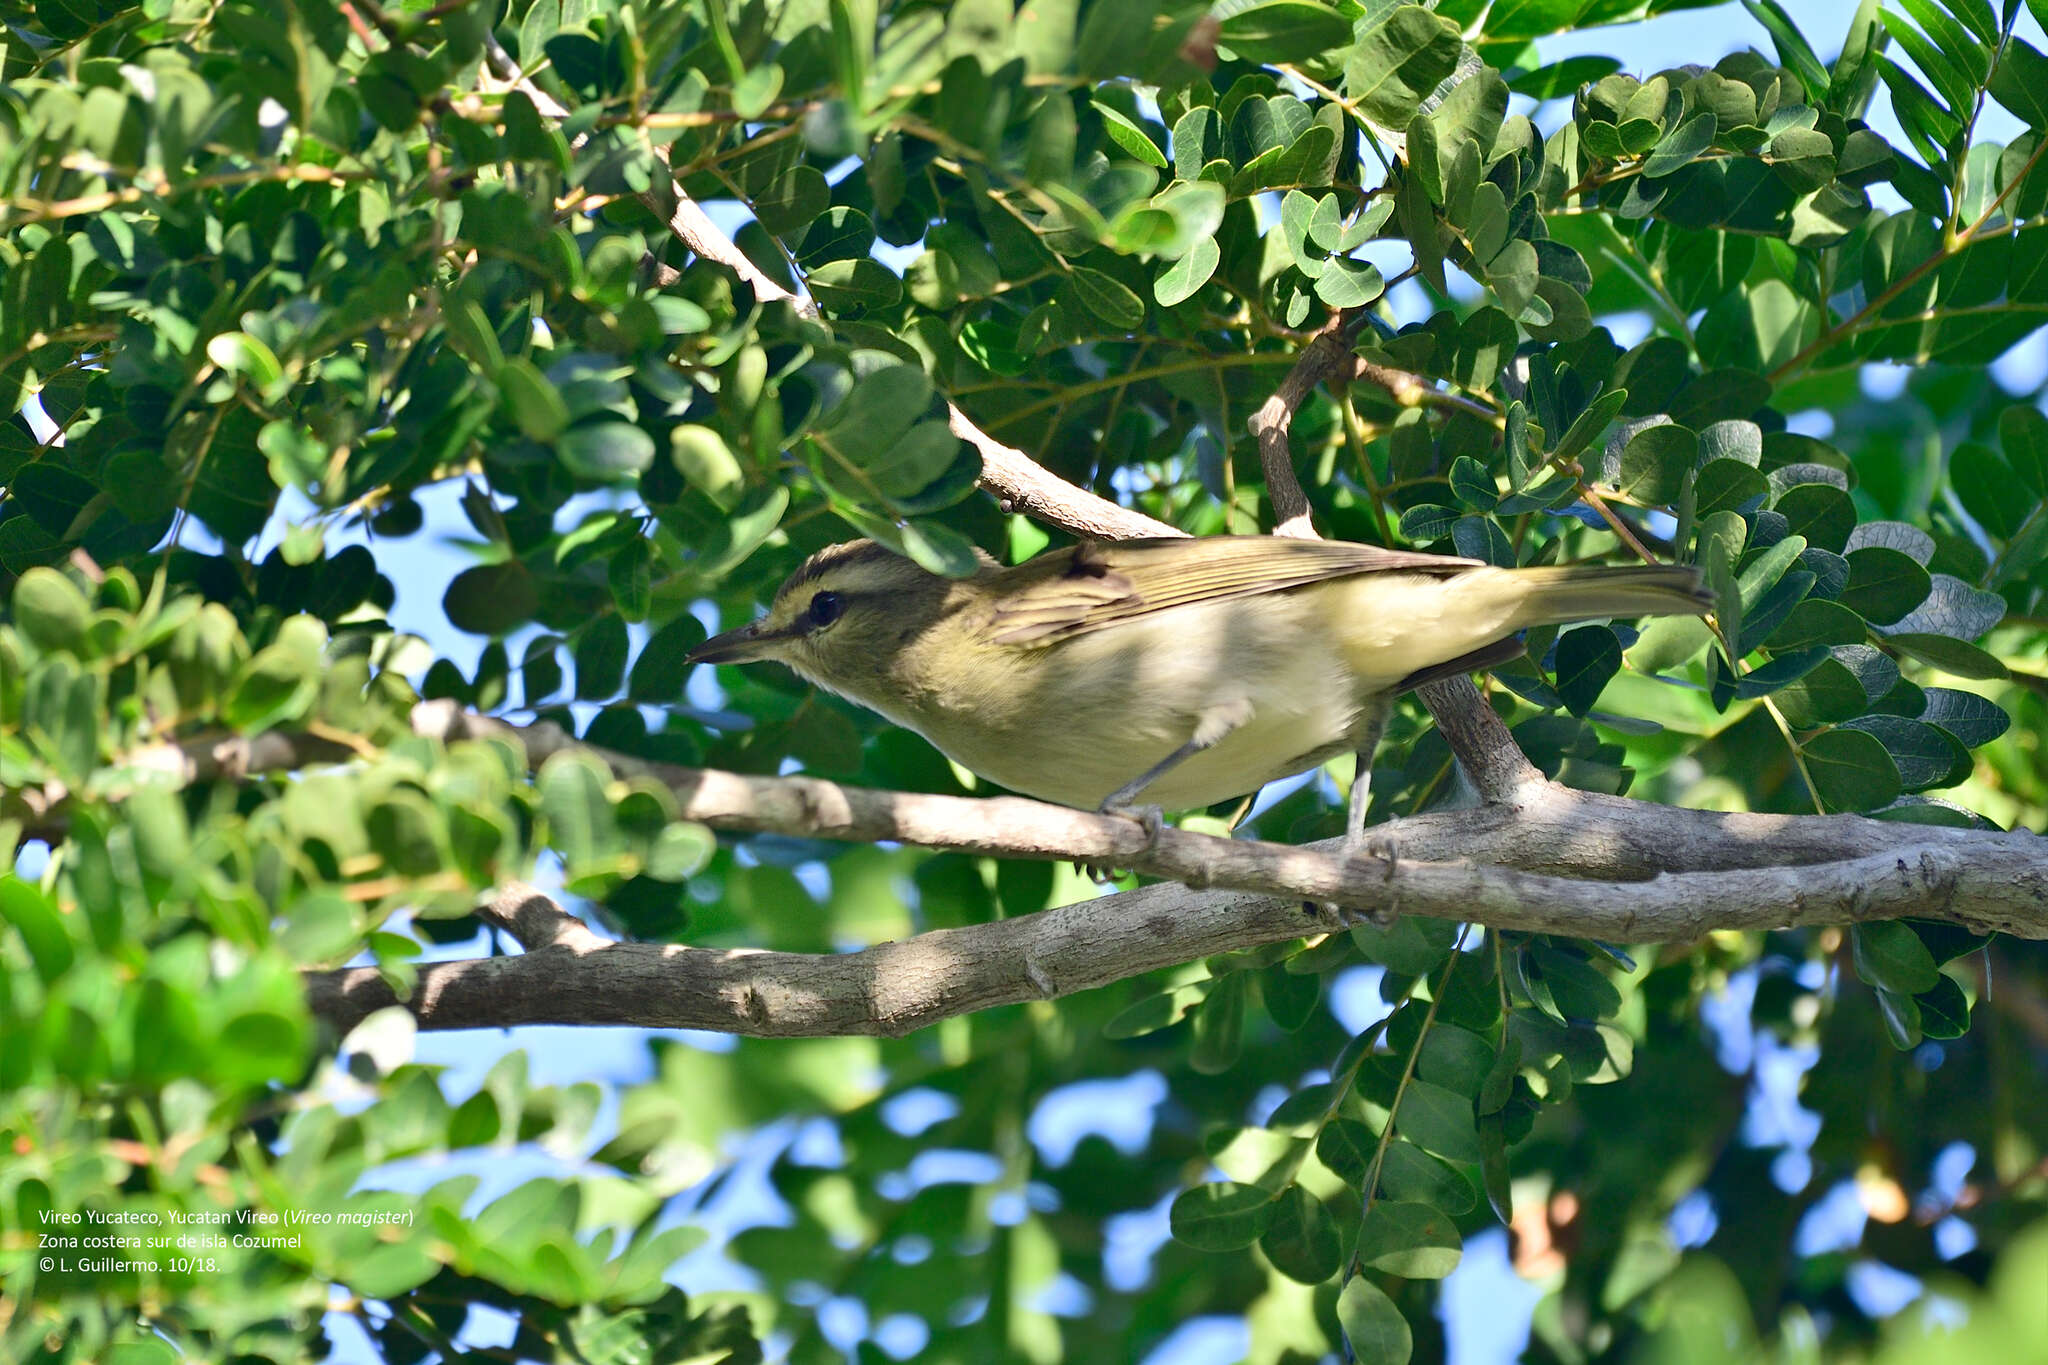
(1106, 298)
(534, 403)
(1290, 998)
(1426, 522)
(278, 685)
(601, 658)
(50, 610)
(1888, 953)
(855, 285)
(1944, 1010)
(1655, 462)
(1346, 283)
(1851, 770)
(1414, 1241)
(40, 926)
(1587, 658)
(1197, 141)
(581, 825)
(2023, 436)
(1177, 283)
(1793, 50)
(1406, 946)
(1346, 1146)
(797, 198)
(1473, 483)
(1438, 1120)
(1129, 136)
(756, 89)
(1681, 146)
(1455, 1058)
(1560, 78)
(1923, 755)
(241, 354)
(1814, 622)
(491, 599)
(1409, 1173)
(1821, 512)
(1727, 486)
(680, 851)
(939, 548)
(1950, 655)
(1398, 60)
(1301, 1239)
(1884, 584)
(605, 451)
(1901, 1016)
(1972, 720)
(1154, 1012)
(630, 576)
(2020, 82)
(703, 458)
(1589, 424)
(1223, 1216)
(1373, 1326)
(1284, 31)
(1984, 484)
(752, 522)
(1668, 642)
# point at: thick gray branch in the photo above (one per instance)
(1661, 872)
(894, 988)
(1554, 861)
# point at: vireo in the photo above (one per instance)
(1179, 672)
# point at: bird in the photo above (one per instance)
(1169, 674)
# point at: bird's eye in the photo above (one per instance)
(826, 608)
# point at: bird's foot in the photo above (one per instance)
(1151, 818)
(1382, 844)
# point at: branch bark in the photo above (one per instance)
(895, 988)
(1322, 357)
(1637, 873)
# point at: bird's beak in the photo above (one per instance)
(749, 644)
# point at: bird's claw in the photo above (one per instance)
(1380, 844)
(1151, 818)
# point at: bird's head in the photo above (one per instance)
(841, 619)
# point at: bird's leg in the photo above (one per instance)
(1215, 723)
(1372, 727)
(1369, 735)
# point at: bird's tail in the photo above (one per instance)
(1554, 594)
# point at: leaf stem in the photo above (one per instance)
(1379, 1156)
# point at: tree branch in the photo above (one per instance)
(1476, 734)
(1552, 861)
(1991, 880)
(895, 988)
(1270, 425)
(535, 921)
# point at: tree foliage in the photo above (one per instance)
(284, 285)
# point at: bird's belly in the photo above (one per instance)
(1078, 765)
(1150, 684)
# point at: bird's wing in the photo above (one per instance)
(1099, 584)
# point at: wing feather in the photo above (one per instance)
(1098, 584)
